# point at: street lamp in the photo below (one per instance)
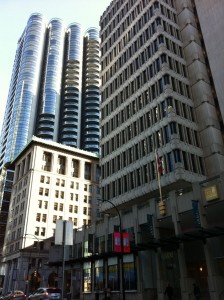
(120, 231)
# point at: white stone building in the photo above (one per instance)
(52, 181)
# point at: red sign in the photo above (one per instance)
(117, 242)
(126, 242)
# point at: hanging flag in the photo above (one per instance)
(117, 242)
(126, 242)
(158, 164)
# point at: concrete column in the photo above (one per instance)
(215, 281)
(81, 169)
(185, 282)
(54, 163)
(68, 166)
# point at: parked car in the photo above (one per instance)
(14, 295)
(47, 293)
(30, 296)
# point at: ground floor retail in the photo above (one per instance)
(180, 242)
(183, 246)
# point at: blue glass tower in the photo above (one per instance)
(91, 109)
(71, 105)
(50, 93)
(55, 75)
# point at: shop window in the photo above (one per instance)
(87, 281)
(99, 275)
(113, 274)
(129, 272)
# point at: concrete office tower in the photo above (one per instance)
(45, 94)
(156, 95)
(162, 65)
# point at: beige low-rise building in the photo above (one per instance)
(52, 181)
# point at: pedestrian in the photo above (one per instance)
(169, 292)
(196, 291)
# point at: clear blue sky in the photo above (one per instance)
(13, 19)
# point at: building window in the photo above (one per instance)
(87, 281)
(46, 193)
(61, 165)
(46, 161)
(37, 230)
(87, 174)
(113, 274)
(70, 209)
(38, 217)
(42, 179)
(129, 272)
(75, 168)
(54, 219)
(45, 204)
(55, 206)
(41, 191)
(42, 233)
(44, 218)
(40, 203)
(99, 275)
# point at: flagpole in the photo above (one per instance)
(161, 202)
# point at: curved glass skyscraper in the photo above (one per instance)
(91, 81)
(50, 94)
(50, 88)
(71, 105)
(23, 99)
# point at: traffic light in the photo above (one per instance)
(162, 208)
